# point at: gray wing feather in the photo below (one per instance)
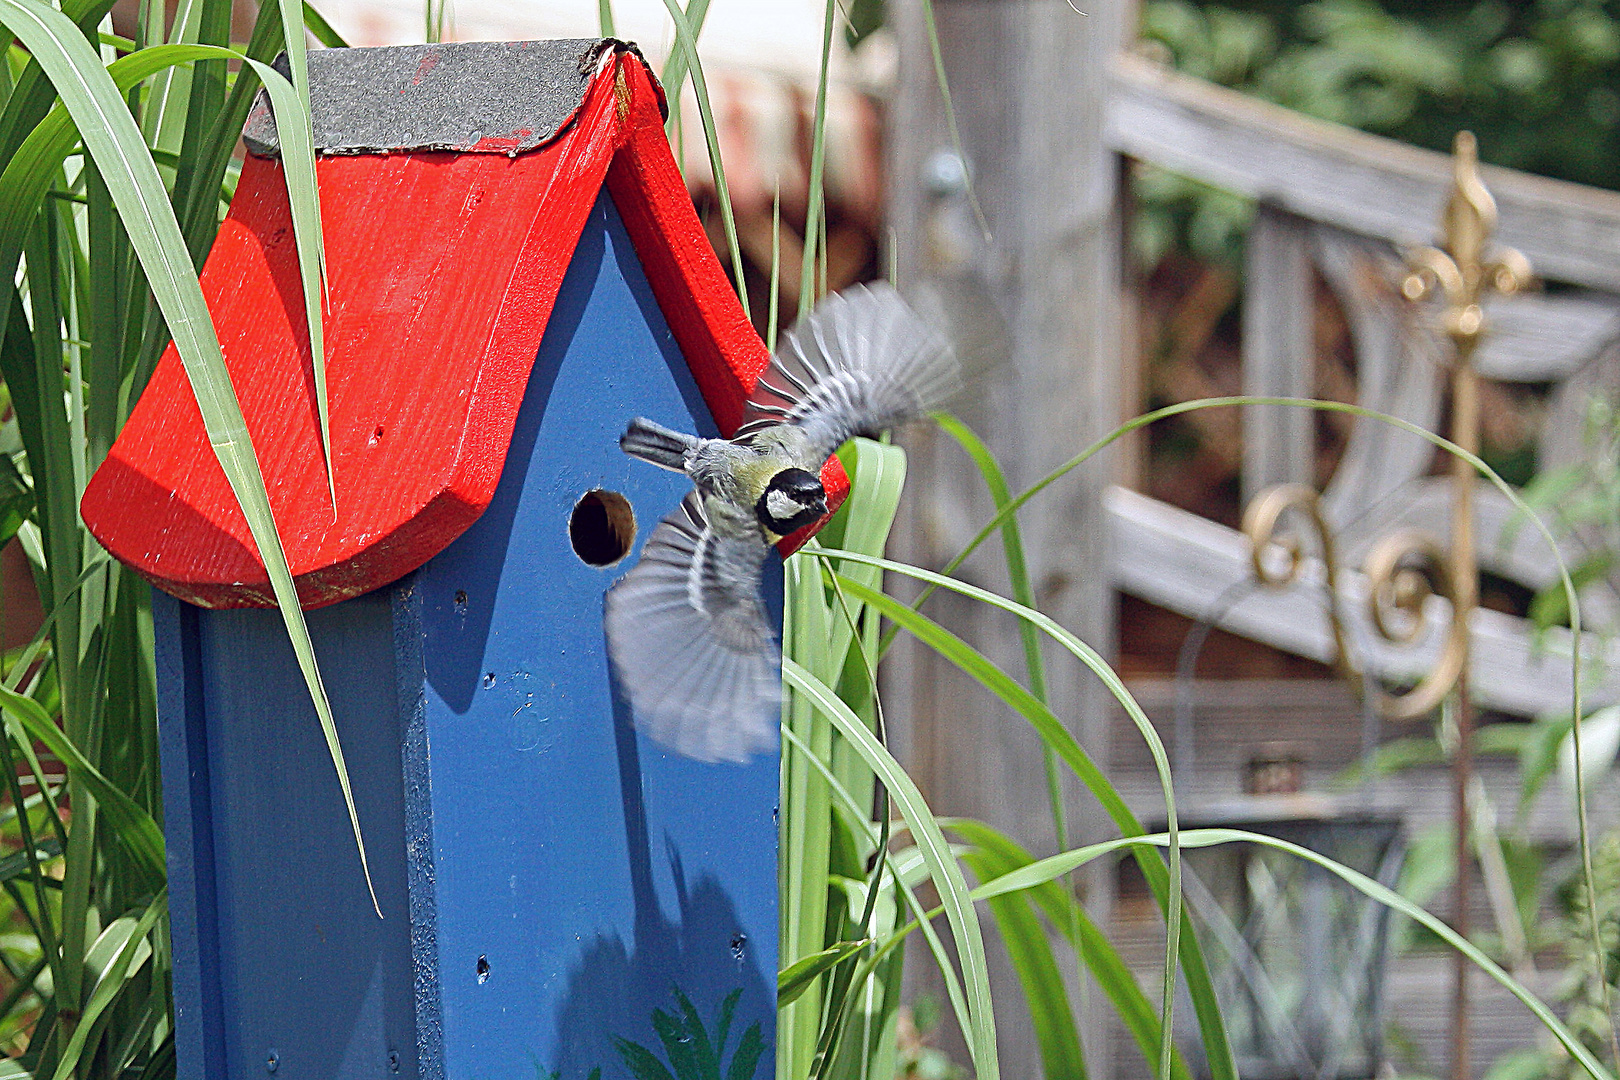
(693, 652)
(860, 362)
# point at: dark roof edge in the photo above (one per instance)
(496, 97)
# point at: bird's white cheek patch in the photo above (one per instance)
(780, 506)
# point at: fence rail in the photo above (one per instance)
(1339, 176)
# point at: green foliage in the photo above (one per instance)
(828, 795)
(1538, 82)
(797, 977)
(1581, 501)
(1589, 980)
(109, 200)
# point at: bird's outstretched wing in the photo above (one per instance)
(693, 652)
(860, 362)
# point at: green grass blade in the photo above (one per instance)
(292, 38)
(846, 994)
(298, 167)
(32, 94)
(688, 45)
(110, 985)
(1056, 866)
(316, 24)
(1032, 959)
(111, 137)
(1115, 978)
(816, 206)
(947, 875)
(1583, 827)
(208, 89)
(878, 477)
(290, 104)
(28, 176)
(675, 65)
(107, 269)
(950, 113)
(136, 829)
(1166, 887)
(196, 195)
(196, 199)
(1047, 870)
(1018, 574)
(857, 817)
(163, 119)
(796, 978)
(806, 826)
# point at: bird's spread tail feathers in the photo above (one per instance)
(656, 444)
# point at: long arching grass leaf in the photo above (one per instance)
(113, 140)
(1053, 732)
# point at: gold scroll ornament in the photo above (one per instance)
(1407, 567)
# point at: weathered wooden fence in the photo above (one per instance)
(1344, 203)
(1052, 110)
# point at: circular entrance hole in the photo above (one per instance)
(602, 527)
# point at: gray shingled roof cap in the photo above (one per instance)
(438, 97)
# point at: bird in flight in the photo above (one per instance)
(686, 627)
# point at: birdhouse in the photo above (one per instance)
(514, 271)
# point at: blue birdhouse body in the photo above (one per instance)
(547, 878)
(560, 897)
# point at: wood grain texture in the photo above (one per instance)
(1329, 173)
(1540, 338)
(1233, 718)
(547, 876)
(443, 269)
(1033, 304)
(1279, 348)
(1184, 562)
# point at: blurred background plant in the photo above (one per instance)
(1539, 79)
(1533, 889)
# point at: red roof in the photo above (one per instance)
(442, 271)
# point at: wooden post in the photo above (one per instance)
(1278, 352)
(1035, 308)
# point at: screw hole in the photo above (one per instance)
(483, 970)
(602, 527)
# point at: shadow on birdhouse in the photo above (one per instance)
(514, 271)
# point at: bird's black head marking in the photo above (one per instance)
(793, 499)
